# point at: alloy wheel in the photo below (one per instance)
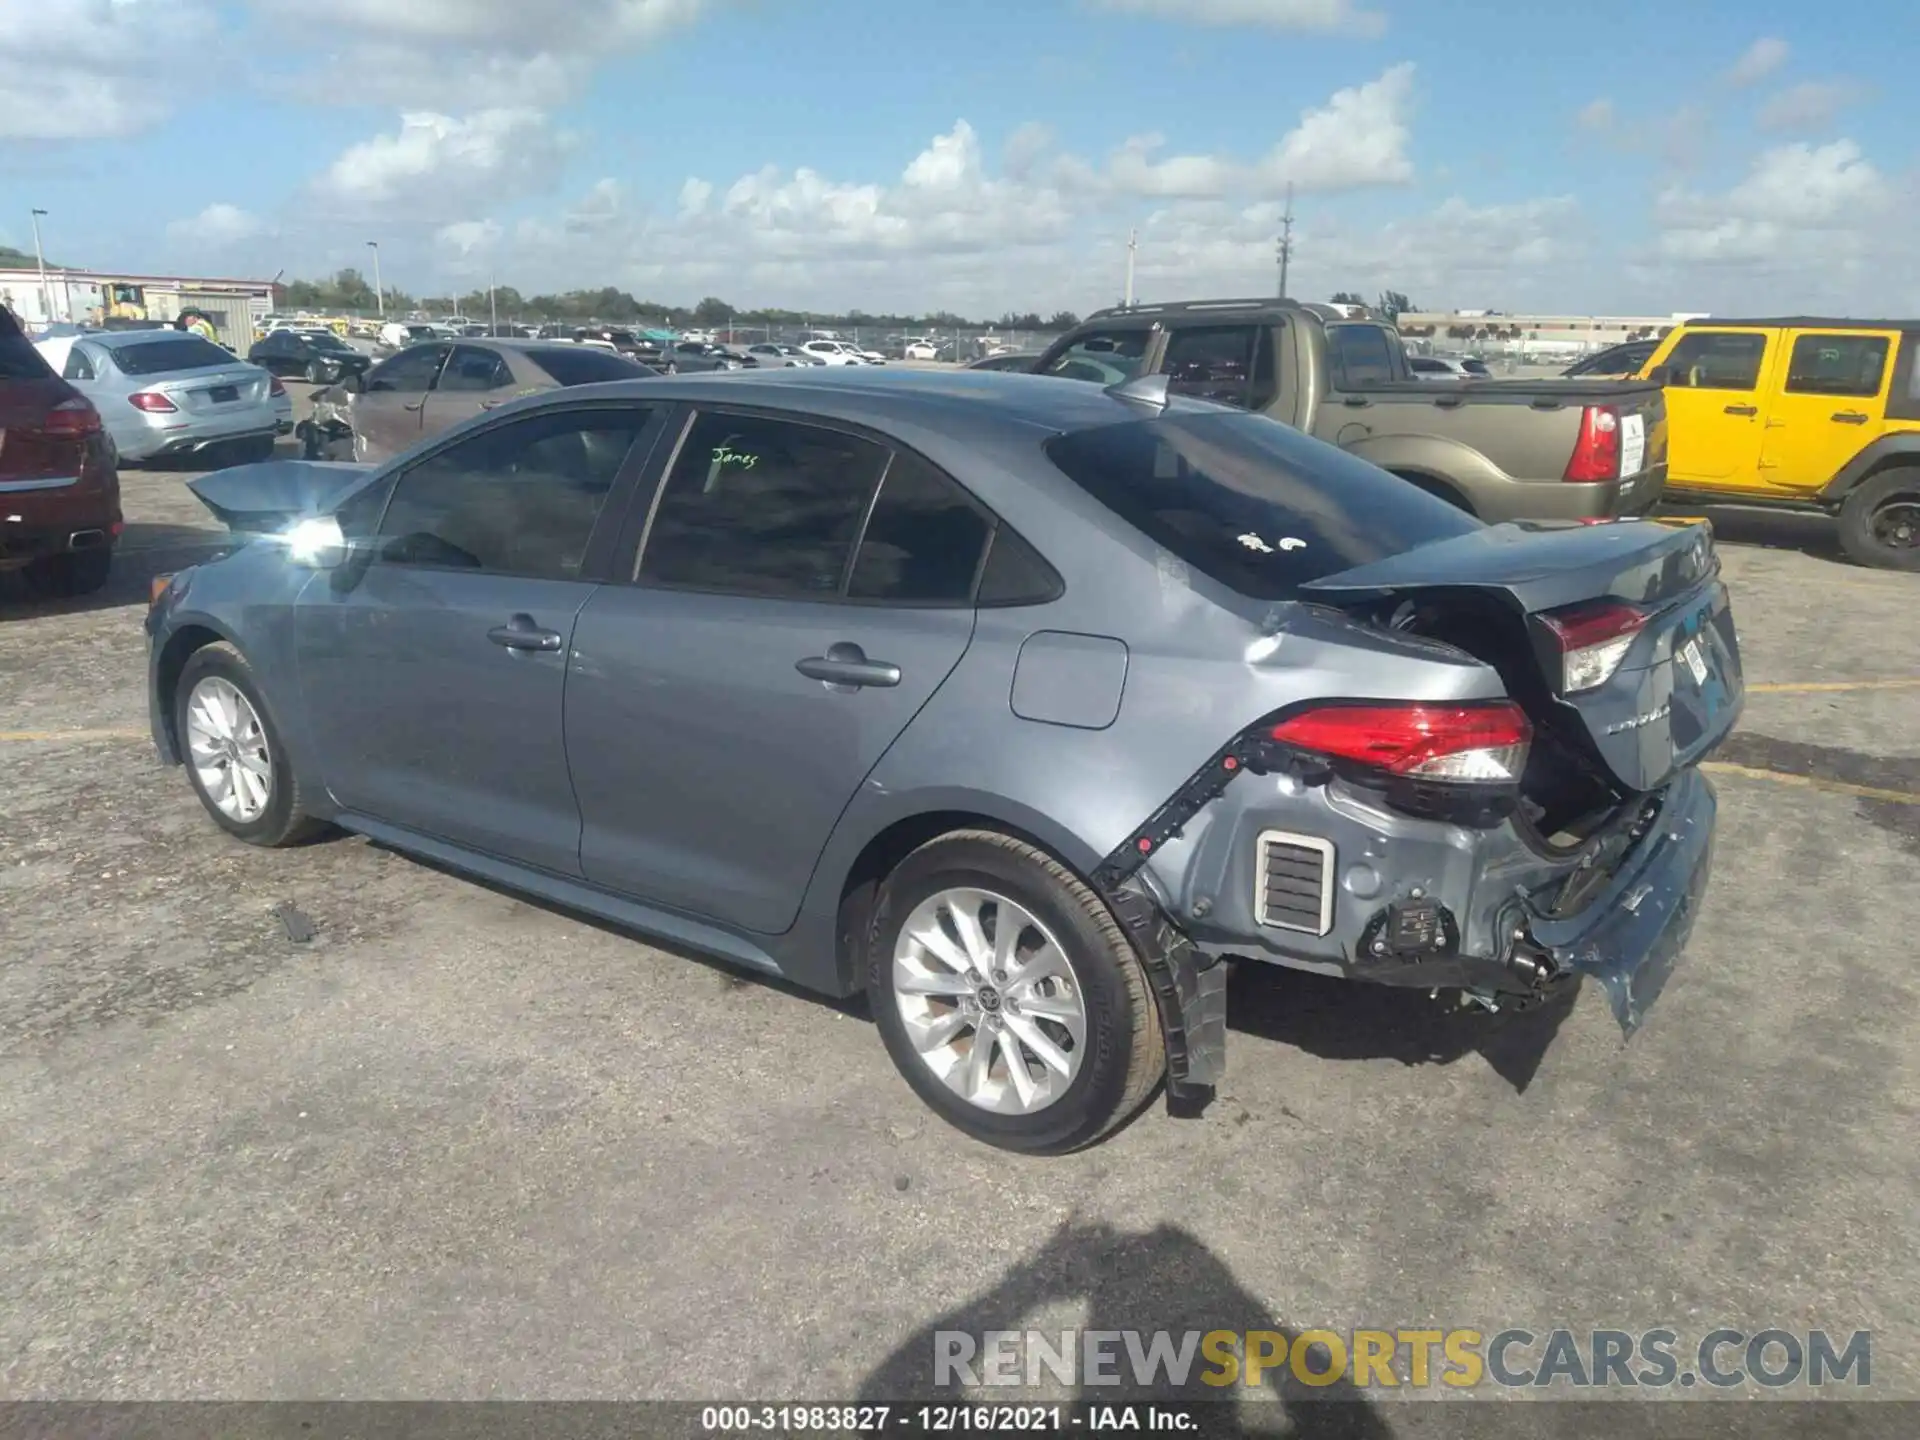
(1896, 524)
(989, 1000)
(227, 747)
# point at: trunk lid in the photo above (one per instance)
(264, 499)
(1677, 690)
(211, 392)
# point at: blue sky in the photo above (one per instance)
(894, 154)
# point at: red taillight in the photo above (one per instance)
(1593, 640)
(1485, 743)
(151, 401)
(72, 418)
(1596, 454)
(274, 387)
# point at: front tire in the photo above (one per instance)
(233, 752)
(1009, 997)
(1880, 521)
(316, 372)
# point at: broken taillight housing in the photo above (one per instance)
(1596, 449)
(1593, 640)
(1458, 744)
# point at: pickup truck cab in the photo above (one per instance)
(1500, 449)
(1801, 414)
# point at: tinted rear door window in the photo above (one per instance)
(473, 369)
(577, 366)
(1360, 356)
(1837, 365)
(923, 541)
(1249, 502)
(1213, 363)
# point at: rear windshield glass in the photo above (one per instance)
(156, 357)
(18, 359)
(1252, 503)
(586, 366)
(1361, 355)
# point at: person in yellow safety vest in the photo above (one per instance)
(196, 323)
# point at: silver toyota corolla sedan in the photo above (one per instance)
(166, 392)
(1019, 706)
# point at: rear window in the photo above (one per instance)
(1360, 356)
(1252, 503)
(156, 357)
(569, 366)
(18, 359)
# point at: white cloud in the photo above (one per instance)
(1596, 115)
(1132, 168)
(453, 53)
(218, 226)
(1810, 105)
(1329, 16)
(438, 163)
(94, 69)
(1760, 60)
(1799, 207)
(1359, 137)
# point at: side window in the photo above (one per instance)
(759, 506)
(923, 541)
(1215, 363)
(517, 499)
(410, 372)
(79, 365)
(1837, 365)
(1717, 360)
(1017, 574)
(1104, 358)
(471, 369)
(1360, 356)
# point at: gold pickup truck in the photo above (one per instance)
(1801, 414)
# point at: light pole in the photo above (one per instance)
(1283, 248)
(1133, 244)
(379, 290)
(40, 258)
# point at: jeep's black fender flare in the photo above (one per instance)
(1899, 449)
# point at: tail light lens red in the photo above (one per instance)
(274, 387)
(151, 401)
(1596, 451)
(1473, 744)
(1593, 640)
(73, 419)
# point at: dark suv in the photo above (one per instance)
(59, 477)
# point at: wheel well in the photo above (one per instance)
(173, 659)
(1435, 486)
(877, 860)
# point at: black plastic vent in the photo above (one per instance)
(1295, 883)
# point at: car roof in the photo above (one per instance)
(957, 403)
(1798, 322)
(115, 339)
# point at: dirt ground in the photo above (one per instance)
(459, 1145)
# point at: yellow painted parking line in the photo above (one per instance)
(29, 736)
(1811, 782)
(1813, 687)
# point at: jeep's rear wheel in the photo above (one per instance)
(1880, 521)
(1008, 995)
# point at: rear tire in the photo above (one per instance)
(208, 681)
(1079, 1091)
(74, 572)
(1880, 521)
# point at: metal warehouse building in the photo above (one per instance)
(94, 297)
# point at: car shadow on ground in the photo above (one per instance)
(144, 552)
(1812, 535)
(1338, 1019)
(1163, 1279)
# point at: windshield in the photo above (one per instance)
(1249, 502)
(158, 357)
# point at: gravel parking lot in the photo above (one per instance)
(458, 1145)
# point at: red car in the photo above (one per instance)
(59, 475)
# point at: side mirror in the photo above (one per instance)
(316, 543)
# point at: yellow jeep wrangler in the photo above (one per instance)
(1802, 414)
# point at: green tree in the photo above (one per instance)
(1393, 304)
(1062, 320)
(712, 311)
(1346, 297)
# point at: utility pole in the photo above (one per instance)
(1283, 248)
(40, 258)
(1133, 245)
(493, 311)
(379, 290)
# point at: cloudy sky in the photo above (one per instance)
(905, 155)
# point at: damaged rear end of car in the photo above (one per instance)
(1467, 763)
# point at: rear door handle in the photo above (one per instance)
(1743, 409)
(415, 406)
(521, 633)
(1850, 417)
(491, 404)
(847, 664)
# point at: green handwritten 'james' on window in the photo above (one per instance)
(725, 456)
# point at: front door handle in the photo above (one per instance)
(1850, 417)
(415, 406)
(491, 404)
(520, 633)
(847, 664)
(1743, 409)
